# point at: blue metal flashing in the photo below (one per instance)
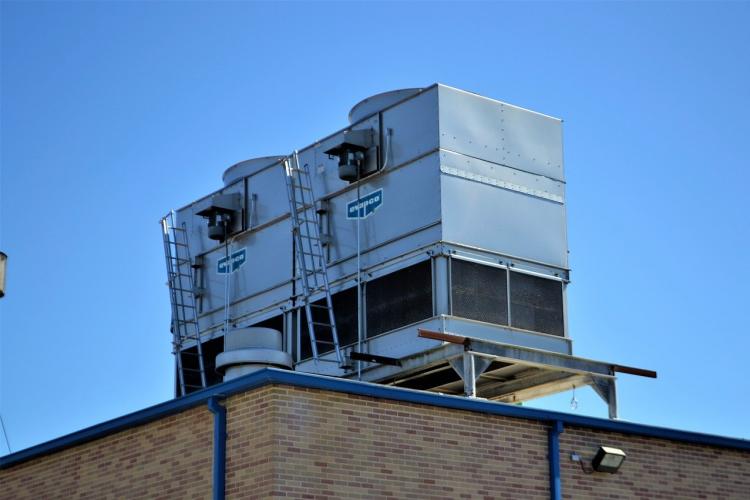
(270, 376)
(220, 447)
(553, 449)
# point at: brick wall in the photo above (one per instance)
(168, 458)
(334, 444)
(308, 443)
(654, 468)
(252, 442)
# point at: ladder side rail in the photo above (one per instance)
(169, 250)
(308, 211)
(182, 296)
(315, 225)
(176, 340)
(295, 227)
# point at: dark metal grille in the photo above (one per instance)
(536, 304)
(479, 292)
(399, 298)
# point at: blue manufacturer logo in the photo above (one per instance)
(233, 262)
(364, 206)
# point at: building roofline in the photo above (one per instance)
(270, 376)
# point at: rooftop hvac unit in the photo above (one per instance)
(424, 246)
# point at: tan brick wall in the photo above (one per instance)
(654, 468)
(252, 441)
(338, 445)
(168, 458)
(303, 443)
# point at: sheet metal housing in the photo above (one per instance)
(466, 178)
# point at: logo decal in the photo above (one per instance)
(364, 206)
(236, 260)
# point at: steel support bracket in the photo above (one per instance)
(470, 367)
(605, 388)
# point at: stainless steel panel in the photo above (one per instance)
(270, 188)
(268, 264)
(414, 125)
(508, 178)
(410, 200)
(505, 221)
(501, 133)
(388, 254)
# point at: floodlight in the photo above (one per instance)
(608, 459)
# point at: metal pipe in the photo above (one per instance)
(220, 447)
(555, 484)
(359, 275)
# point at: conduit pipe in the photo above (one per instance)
(555, 486)
(220, 447)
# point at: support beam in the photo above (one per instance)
(442, 290)
(533, 386)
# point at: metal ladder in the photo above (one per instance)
(311, 261)
(182, 297)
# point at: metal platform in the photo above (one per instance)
(501, 372)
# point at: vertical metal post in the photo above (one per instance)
(470, 379)
(360, 338)
(442, 285)
(612, 399)
(553, 449)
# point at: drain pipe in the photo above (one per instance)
(220, 447)
(555, 486)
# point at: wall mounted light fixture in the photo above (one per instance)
(608, 459)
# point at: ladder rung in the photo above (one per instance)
(318, 306)
(327, 342)
(328, 325)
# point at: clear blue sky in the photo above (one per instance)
(113, 113)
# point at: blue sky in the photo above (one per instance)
(113, 113)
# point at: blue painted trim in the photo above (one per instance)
(297, 379)
(553, 449)
(220, 447)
